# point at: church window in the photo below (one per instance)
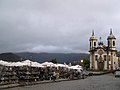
(108, 43)
(105, 57)
(96, 57)
(94, 43)
(100, 52)
(113, 43)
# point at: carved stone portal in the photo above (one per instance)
(100, 64)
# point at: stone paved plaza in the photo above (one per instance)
(103, 82)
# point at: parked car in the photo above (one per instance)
(117, 73)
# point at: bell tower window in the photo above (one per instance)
(96, 57)
(108, 43)
(113, 43)
(94, 43)
(105, 57)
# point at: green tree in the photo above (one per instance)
(86, 63)
(55, 61)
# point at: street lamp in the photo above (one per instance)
(81, 62)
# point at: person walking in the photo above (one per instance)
(54, 75)
(57, 75)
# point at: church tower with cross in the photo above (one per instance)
(103, 57)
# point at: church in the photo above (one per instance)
(103, 57)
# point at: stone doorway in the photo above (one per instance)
(100, 64)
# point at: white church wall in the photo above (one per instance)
(96, 66)
(115, 63)
(105, 65)
(90, 62)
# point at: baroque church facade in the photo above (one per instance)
(103, 57)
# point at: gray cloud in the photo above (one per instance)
(56, 25)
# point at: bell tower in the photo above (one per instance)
(93, 45)
(93, 41)
(112, 52)
(111, 41)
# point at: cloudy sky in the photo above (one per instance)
(56, 25)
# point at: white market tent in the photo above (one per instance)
(15, 64)
(4, 63)
(36, 64)
(48, 64)
(23, 63)
(62, 65)
(77, 67)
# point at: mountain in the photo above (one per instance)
(42, 57)
(10, 57)
(61, 57)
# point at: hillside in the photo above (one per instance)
(61, 57)
(10, 57)
(42, 57)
